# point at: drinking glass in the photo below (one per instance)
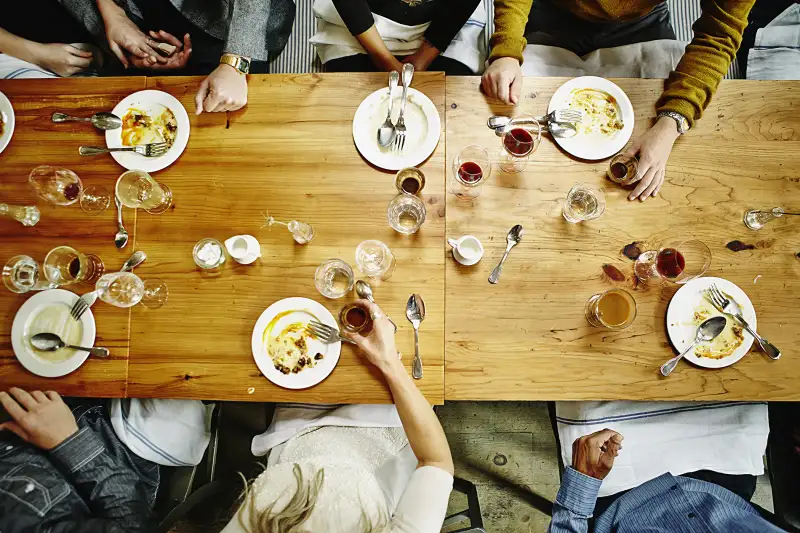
(375, 259)
(21, 274)
(520, 139)
(95, 199)
(584, 202)
(334, 278)
(471, 167)
(612, 309)
(65, 265)
(208, 254)
(136, 188)
(126, 289)
(755, 219)
(353, 318)
(59, 186)
(410, 180)
(623, 169)
(677, 261)
(406, 213)
(27, 215)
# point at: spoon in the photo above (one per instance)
(101, 121)
(50, 342)
(562, 130)
(415, 312)
(513, 238)
(363, 290)
(707, 331)
(121, 238)
(386, 132)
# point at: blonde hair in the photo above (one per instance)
(292, 517)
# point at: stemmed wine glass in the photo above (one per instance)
(302, 233)
(521, 138)
(136, 188)
(677, 261)
(471, 167)
(61, 186)
(126, 289)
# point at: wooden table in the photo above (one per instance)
(527, 339)
(36, 142)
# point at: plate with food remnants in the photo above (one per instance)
(48, 312)
(6, 122)
(690, 307)
(607, 123)
(284, 349)
(149, 117)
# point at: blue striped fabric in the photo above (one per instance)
(299, 56)
(649, 414)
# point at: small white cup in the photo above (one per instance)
(467, 250)
(243, 248)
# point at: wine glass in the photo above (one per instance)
(521, 138)
(302, 233)
(136, 188)
(471, 167)
(64, 265)
(678, 261)
(126, 289)
(95, 199)
(59, 186)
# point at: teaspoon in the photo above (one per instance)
(513, 238)
(50, 342)
(101, 121)
(707, 331)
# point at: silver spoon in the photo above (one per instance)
(513, 238)
(415, 312)
(562, 130)
(363, 290)
(101, 121)
(121, 238)
(50, 342)
(387, 132)
(707, 331)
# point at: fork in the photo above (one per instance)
(563, 115)
(147, 150)
(81, 305)
(400, 127)
(326, 333)
(729, 307)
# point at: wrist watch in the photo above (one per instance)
(241, 64)
(683, 123)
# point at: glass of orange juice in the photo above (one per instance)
(613, 309)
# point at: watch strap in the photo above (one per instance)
(682, 122)
(241, 64)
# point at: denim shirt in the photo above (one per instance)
(90, 482)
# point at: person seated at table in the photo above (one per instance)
(63, 470)
(583, 26)
(223, 40)
(353, 468)
(667, 503)
(389, 33)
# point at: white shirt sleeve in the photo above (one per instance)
(423, 506)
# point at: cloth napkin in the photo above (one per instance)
(675, 437)
(776, 53)
(167, 432)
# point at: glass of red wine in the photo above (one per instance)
(521, 138)
(59, 186)
(677, 261)
(471, 167)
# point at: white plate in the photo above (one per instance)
(597, 145)
(423, 128)
(24, 322)
(9, 120)
(680, 314)
(152, 103)
(303, 309)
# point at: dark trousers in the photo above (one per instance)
(363, 63)
(552, 25)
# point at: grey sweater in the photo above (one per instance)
(250, 28)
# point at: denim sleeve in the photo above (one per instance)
(113, 491)
(574, 503)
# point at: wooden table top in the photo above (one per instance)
(527, 339)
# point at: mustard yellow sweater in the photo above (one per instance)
(717, 37)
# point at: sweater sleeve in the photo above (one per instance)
(247, 33)
(448, 19)
(356, 14)
(510, 19)
(717, 37)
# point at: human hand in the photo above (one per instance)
(653, 148)
(62, 59)
(388, 63)
(423, 57)
(125, 37)
(379, 346)
(503, 80)
(225, 89)
(178, 59)
(594, 454)
(40, 418)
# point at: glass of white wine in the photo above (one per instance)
(136, 188)
(126, 289)
(65, 265)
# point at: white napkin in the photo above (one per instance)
(675, 437)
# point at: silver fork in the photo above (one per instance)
(147, 150)
(79, 307)
(729, 307)
(563, 115)
(326, 333)
(400, 127)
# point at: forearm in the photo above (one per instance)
(373, 43)
(422, 427)
(18, 47)
(449, 18)
(717, 37)
(510, 19)
(574, 503)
